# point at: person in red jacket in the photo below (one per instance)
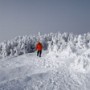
(39, 48)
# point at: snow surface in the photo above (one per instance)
(64, 65)
(53, 71)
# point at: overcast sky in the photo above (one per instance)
(24, 17)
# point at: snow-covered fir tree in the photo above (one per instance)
(54, 42)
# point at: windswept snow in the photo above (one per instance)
(50, 72)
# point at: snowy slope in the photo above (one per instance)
(50, 72)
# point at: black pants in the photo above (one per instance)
(39, 52)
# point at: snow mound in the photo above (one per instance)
(82, 62)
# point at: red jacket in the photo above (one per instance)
(39, 46)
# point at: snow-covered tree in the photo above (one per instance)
(54, 42)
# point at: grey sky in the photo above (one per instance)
(24, 17)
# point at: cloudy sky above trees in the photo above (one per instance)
(24, 17)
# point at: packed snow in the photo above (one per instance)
(64, 65)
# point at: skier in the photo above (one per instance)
(39, 48)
